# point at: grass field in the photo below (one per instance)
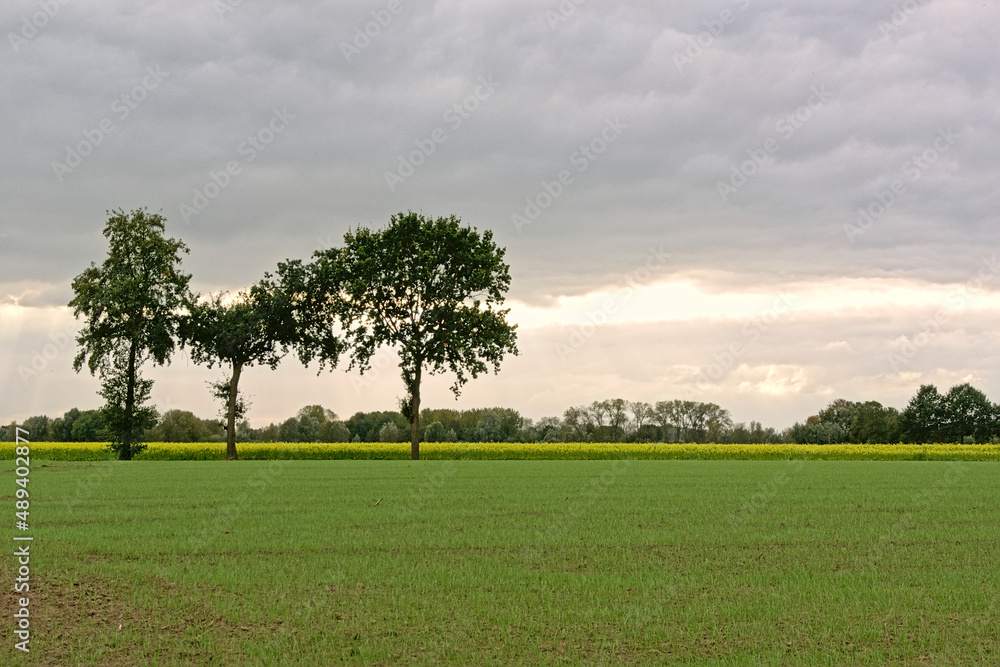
(511, 562)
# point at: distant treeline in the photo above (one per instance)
(963, 414)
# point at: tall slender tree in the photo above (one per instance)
(238, 332)
(132, 304)
(923, 419)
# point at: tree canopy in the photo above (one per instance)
(132, 304)
(239, 332)
(429, 287)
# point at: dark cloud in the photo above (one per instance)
(163, 97)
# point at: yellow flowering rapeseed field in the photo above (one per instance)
(172, 451)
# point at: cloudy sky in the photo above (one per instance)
(763, 204)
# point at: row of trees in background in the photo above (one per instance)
(963, 415)
(430, 288)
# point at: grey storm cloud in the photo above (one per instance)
(753, 135)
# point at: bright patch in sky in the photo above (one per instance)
(685, 298)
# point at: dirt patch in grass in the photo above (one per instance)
(90, 620)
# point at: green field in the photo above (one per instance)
(511, 562)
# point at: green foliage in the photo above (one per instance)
(968, 415)
(334, 431)
(431, 288)
(313, 423)
(366, 425)
(89, 427)
(61, 428)
(390, 433)
(435, 432)
(184, 426)
(923, 418)
(239, 330)
(689, 421)
(223, 392)
(132, 305)
(244, 331)
(126, 413)
(848, 421)
(816, 432)
(135, 295)
(38, 428)
(963, 414)
(873, 423)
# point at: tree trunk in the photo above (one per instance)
(231, 414)
(415, 414)
(126, 450)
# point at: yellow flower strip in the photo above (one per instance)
(170, 451)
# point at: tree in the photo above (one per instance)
(717, 422)
(967, 413)
(240, 332)
(684, 415)
(430, 287)
(548, 429)
(61, 428)
(488, 429)
(132, 305)
(388, 433)
(365, 425)
(314, 423)
(597, 414)
(642, 413)
(841, 412)
(873, 423)
(89, 427)
(39, 427)
(184, 426)
(334, 431)
(576, 424)
(663, 414)
(922, 419)
(617, 417)
(436, 432)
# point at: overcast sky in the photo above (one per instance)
(767, 205)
